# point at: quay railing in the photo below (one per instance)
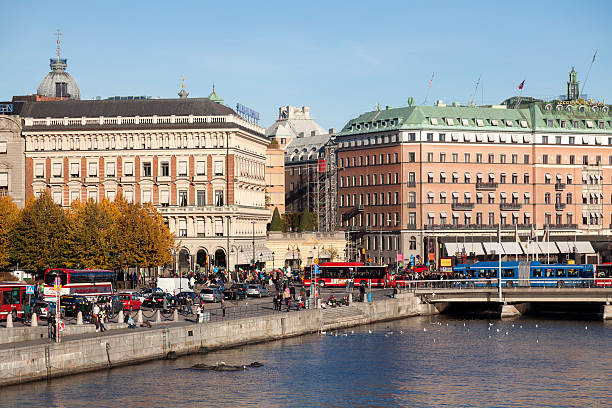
(507, 283)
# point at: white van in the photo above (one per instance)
(174, 285)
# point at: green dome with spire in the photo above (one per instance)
(215, 98)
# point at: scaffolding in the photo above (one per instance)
(326, 190)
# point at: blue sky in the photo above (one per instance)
(340, 58)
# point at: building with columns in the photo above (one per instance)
(196, 160)
(431, 181)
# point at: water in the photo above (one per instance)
(418, 362)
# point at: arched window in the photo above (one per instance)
(412, 242)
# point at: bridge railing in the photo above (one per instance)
(560, 282)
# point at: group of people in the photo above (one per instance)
(289, 298)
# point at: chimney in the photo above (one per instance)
(332, 131)
(313, 132)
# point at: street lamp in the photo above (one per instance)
(273, 260)
(253, 243)
(293, 249)
(261, 257)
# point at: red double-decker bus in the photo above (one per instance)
(335, 274)
(12, 299)
(87, 282)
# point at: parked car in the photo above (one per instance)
(236, 291)
(43, 308)
(71, 304)
(148, 292)
(137, 295)
(130, 301)
(211, 294)
(116, 304)
(157, 300)
(256, 289)
(188, 295)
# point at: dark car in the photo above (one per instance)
(236, 291)
(116, 304)
(188, 295)
(71, 304)
(157, 300)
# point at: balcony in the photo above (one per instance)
(559, 186)
(412, 184)
(411, 205)
(486, 186)
(562, 226)
(411, 226)
(560, 206)
(510, 206)
(462, 206)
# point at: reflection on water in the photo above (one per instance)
(418, 362)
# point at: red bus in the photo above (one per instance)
(87, 282)
(603, 275)
(12, 299)
(335, 274)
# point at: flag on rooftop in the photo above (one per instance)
(521, 85)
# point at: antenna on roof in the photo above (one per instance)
(475, 90)
(428, 87)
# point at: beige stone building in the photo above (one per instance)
(12, 161)
(275, 178)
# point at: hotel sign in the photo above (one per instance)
(6, 108)
(247, 113)
(586, 102)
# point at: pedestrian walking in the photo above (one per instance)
(223, 306)
(361, 293)
(96, 316)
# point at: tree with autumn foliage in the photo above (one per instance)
(8, 215)
(39, 237)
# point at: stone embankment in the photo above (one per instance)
(40, 359)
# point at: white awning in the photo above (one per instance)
(455, 195)
(503, 195)
(443, 194)
(467, 194)
(491, 195)
(455, 174)
(584, 247)
(430, 194)
(493, 248)
(430, 174)
(527, 214)
(512, 248)
(478, 195)
(570, 177)
(443, 214)
(530, 248)
(565, 247)
(431, 215)
(527, 195)
(442, 174)
(549, 247)
(461, 247)
(515, 194)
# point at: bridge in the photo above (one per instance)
(515, 300)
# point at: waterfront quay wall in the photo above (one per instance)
(45, 360)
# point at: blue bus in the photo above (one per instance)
(535, 274)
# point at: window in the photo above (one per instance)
(442, 177)
(200, 228)
(219, 198)
(455, 178)
(3, 146)
(182, 198)
(526, 198)
(572, 140)
(164, 198)
(129, 196)
(218, 168)
(466, 157)
(182, 169)
(429, 157)
(502, 178)
(545, 159)
(525, 159)
(558, 139)
(39, 170)
(545, 138)
(491, 158)
(201, 198)
(110, 169)
(411, 137)
(57, 198)
(61, 89)
(57, 169)
(547, 178)
(128, 169)
(442, 157)
(146, 196)
(430, 137)
(514, 158)
(182, 232)
(466, 178)
(165, 169)
(146, 169)
(502, 158)
(491, 218)
(200, 168)
(514, 178)
(478, 157)
(442, 137)
(585, 159)
(547, 198)
(93, 170)
(572, 159)
(455, 157)
(411, 157)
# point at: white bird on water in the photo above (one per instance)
(536, 326)
(424, 329)
(370, 331)
(586, 328)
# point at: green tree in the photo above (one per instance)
(8, 215)
(40, 236)
(276, 224)
(306, 223)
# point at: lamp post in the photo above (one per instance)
(253, 243)
(261, 257)
(293, 249)
(273, 260)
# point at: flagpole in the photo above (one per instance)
(428, 87)
(500, 263)
(588, 73)
(548, 244)
(520, 87)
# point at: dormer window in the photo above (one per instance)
(433, 121)
(465, 122)
(450, 122)
(479, 122)
(494, 122)
(509, 122)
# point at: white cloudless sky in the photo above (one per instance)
(340, 58)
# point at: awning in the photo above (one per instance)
(455, 195)
(461, 247)
(584, 247)
(467, 194)
(512, 248)
(570, 177)
(431, 215)
(443, 214)
(493, 248)
(527, 214)
(442, 174)
(466, 174)
(430, 194)
(527, 195)
(565, 247)
(503, 195)
(443, 194)
(515, 195)
(530, 248)
(491, 195)
(478, 195)
(549, 247)
(455, 174)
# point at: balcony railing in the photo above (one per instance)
(462, 206)
(412, 184)
(486, 186)
(432, 227)
(559, 186)
(562, 226)
(411, 205)
(510, 206)
(560, 206)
